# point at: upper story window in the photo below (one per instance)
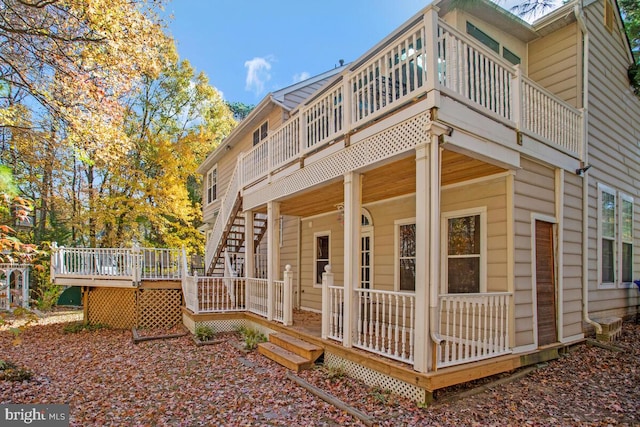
(212, 185)
(261, 133)
(608, 15)
(492, 43)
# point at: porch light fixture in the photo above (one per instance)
(582, 170)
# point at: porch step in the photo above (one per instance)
(290, 352)
(297, 346)
(284, 357)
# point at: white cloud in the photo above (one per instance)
(301, 76)
(258, 74)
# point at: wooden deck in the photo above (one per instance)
(306, 326)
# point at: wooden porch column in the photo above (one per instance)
(422, 338)
(273, 253)
(249, 248)
(352, 221)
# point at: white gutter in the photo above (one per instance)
(585, 177)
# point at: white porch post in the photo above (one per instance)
(327, 304)
(249, 248)
(25, 287)
(421, 351)
(287, 311)
(273, 253)
(352, 221)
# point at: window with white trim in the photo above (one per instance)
(406, 254)
(261, 133)
(606, 235)
(626, 239)
(212, 185)
(322, 244)
(464, 235)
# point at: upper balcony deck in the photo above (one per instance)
(426, 60)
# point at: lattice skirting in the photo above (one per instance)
(374, 378)
(159, 308)
(141, 308)
(114, 307)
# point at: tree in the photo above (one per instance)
(73, 61)
(240, 110)
(630, 10)
(12, 208)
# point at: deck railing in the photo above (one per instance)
(226, 208)
(399, 72)
(258, 296)
(133, 264)
(473, 327)
(386, 323)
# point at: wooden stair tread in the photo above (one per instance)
(301, 348)
(284, 357)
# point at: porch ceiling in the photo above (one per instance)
(390, 180)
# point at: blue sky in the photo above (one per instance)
(249, 48)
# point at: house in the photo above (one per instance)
(460, 201)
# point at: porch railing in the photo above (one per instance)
(133, 264)
(386, 323)
(226, 294)
(473, 327)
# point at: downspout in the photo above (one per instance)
(585, 178)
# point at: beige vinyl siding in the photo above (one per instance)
(227, 163)
(311, 295)
(384, 215)
(289, 250)
(614, 151)
(571, 303)
(490, 194)
(554, 62)
(534, 189)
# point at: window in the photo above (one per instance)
(261, 133)
(212, 185)
(483, 37)
(322, 255)
(510, 56)
(607, 228)
(406, 255)
(626, 237)
(464, 246)
(608, 15)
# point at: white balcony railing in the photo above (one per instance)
(133, 264)
(401, 71)
(473, 327)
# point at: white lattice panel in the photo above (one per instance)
(374, 378)
(388, 143)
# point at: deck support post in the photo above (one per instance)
(273, 253)
(352, 222)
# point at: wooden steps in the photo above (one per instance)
(290, 352)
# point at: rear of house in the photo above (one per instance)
(459, 201)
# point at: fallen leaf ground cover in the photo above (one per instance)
(109, 381)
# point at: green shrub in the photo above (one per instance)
(204, 332)
(251, 337)
(11, 372)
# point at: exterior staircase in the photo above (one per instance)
(290, 352)
(233, 237)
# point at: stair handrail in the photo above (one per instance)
(226, 207)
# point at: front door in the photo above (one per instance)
(545, 284)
